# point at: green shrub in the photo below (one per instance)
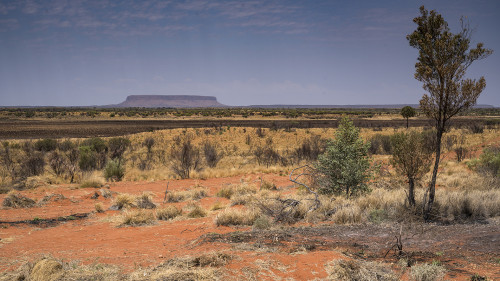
(344, 167)
(114, 171)
(46, 145)
(88, 158)
(489, 161)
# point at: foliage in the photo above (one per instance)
(489, 161)
(408, 112)
(380, 144)
(441, 65)
(410, 158)
(117, 147)
(427, 272)
(114, 171)
(88, 158)
(46, 145)
(212, 154)
(344, 167)
(184, 157)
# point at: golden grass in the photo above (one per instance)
(124, 201)
(236, 217)
(192, 194)
(168, 213)
(99, 207)
(92, 180)
(196, 211)
(348, 270)
(138, 217)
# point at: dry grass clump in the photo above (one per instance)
(193, 194)
(50, 269)
(242, 199)
(196, 211)
(145, 201)
(203, 267)
(123, 201)
(464, 205)
(168, 213)
(217, 206)
(105, 193)
(348, 214)
(262, 223)
(92, 181)
(348, 270)
(427, 272)
(16, 200)
(99, 207)
(138, 217)
(225, 192)
(236, 217)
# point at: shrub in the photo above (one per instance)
(88, 160)
(117, 147)
(149, 143)
(33, 165)
(168, 213)
(427, 272)
(410, 158)
(380, 144)
(212, 154)
(66, 145)
(461, 153)
(114, 171)
(489, 161)
(57, 163)
(348, 270)
(310, 148)
(184, 158)
(138, 217)
(46, 145)
(344, 167)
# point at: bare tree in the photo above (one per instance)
(441, 65)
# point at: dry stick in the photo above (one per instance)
(294, 180)
(166, 190)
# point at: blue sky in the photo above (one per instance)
(76, 52)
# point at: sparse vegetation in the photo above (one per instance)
(168, 213)
(138, 217)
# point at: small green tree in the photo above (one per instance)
(408, 112)
(344, 167)
(114, 170)
(411, 158)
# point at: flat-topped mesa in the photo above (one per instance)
(170, 101)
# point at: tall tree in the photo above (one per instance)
(408, 112)
(443, 59)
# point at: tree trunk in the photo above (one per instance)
(407, 122)
(432, 184)
(411, 192)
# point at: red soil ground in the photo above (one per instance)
(466, 249)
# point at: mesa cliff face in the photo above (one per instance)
(170, 101)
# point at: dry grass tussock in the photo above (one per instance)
(92, 180)
(203, 267)
(127, 201)
(168, 213)
(195, 211)
(16, 200)
(192, 194)
(237, 217)
(138, 217)
(427, 272)
(348, 270)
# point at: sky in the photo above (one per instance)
(80, 53)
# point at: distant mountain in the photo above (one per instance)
(168, 101)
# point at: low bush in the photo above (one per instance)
(123, 201)
(380, 144)
(46, 145)
(114, 170)
(225, 192)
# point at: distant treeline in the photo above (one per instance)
(313, 113)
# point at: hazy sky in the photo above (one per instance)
(77, 52)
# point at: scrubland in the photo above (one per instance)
(217, 203)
